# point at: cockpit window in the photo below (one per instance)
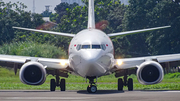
(103, 46)
(96, 46)
(85, 47)
(78, 47)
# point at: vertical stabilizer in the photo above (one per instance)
(91, 17)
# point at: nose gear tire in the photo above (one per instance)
(92, 89)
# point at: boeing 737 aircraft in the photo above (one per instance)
(91, 55)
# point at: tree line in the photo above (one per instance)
(111, 16)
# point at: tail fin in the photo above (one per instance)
(91, 16)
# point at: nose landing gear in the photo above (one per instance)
(92, 88)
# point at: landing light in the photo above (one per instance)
(119, 62)
(63, 63)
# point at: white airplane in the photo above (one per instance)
(91, 55)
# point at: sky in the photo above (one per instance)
(39, 4)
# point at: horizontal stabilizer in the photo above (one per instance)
(48, 32)
(136, 31)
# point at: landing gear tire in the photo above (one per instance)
(88, 89)
(120, 84)
(130, 84)
(92, 89)
(53, 85)
(63, 85)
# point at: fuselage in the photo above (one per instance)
(91, 53)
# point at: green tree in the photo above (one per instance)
(105, 10)
(61, 11)
(76, 18)
(18, 17)
(46, 13)
(166, 12)
(137, 17)
(29, 48)
(152, 13)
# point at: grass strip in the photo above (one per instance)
(9, 81)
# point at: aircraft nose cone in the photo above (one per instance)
(91, 56)
(90, 65)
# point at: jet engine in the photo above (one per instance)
(150, 72)
(32, 73)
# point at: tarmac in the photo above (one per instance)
(101, 95)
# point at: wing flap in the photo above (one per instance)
(54, 63)
(11, 58)
(168, 58)
(135, 62)
(47, 62)
(128, 63)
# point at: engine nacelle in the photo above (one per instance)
(32, 73)
(150, 72)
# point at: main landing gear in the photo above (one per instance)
(57, 83)
(92, 87)
(121, 83)
(128, 83)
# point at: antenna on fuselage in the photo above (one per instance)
(91, 17)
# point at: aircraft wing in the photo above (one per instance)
(136, 31)
(48, 32)
(46, 62)
(135, 62)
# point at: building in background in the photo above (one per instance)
(47, 12)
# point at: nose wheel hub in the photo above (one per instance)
(92, 88)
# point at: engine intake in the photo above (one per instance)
(150, 72)
(32, 73)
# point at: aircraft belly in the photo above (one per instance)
(95, 68)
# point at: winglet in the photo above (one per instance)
(91, 17)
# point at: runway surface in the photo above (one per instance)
(102, 95)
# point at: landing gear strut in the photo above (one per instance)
(92, 87)
(128, 83)
(54, 84)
